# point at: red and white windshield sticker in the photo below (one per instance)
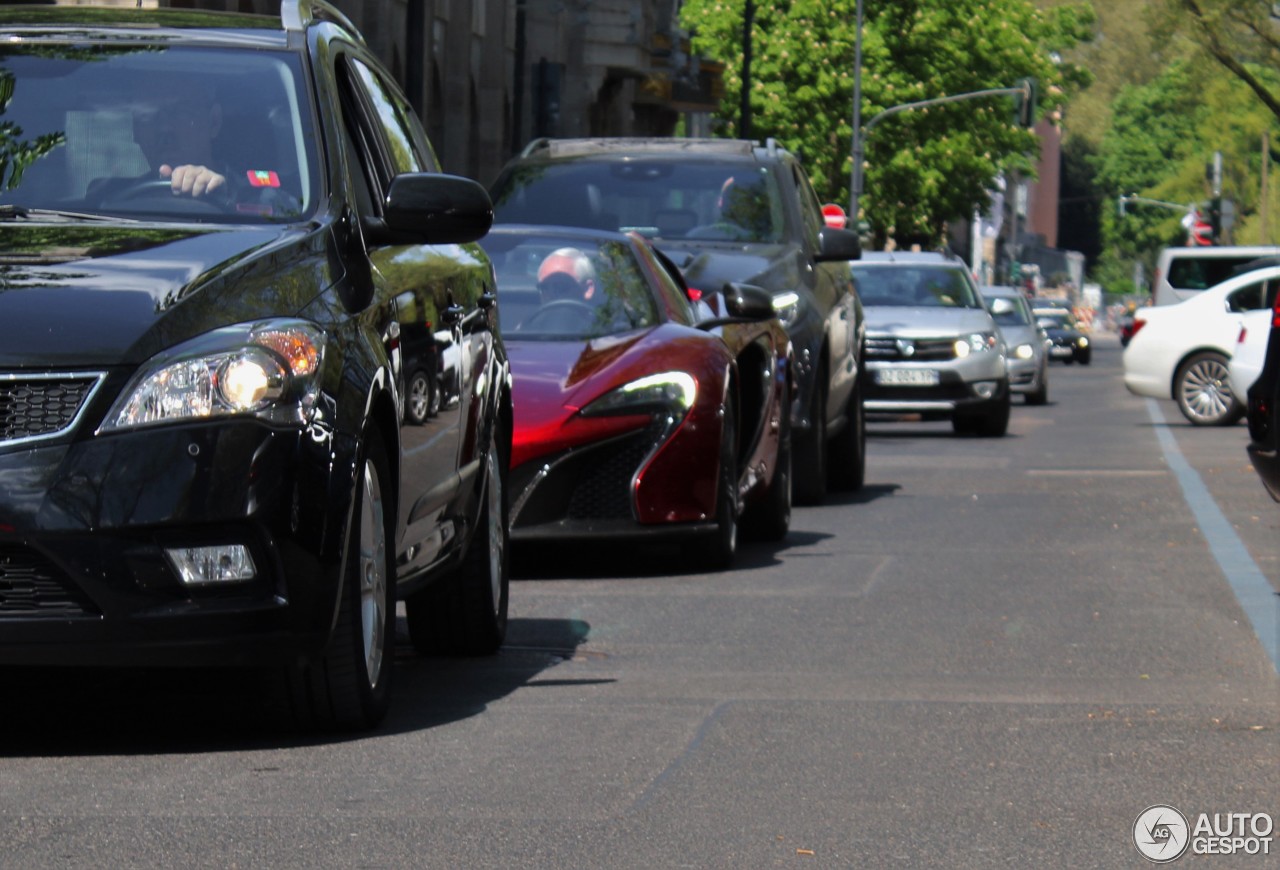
(263, 178)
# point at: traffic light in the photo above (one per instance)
(1215, 219)
(1025, 102)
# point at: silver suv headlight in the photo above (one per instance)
(1024, 351)
(268, 370)
(978, 342)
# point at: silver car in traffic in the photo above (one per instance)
(1027, 343)
(931, 346)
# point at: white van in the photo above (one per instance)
(1183, 272)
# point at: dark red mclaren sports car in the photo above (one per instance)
(641, 407)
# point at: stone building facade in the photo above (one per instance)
(488, 76)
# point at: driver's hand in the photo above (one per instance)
(190, 180)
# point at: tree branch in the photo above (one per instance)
(1220, 53)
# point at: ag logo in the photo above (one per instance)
(1161, 834)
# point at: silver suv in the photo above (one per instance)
(931, 346)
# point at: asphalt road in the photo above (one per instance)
(998, 654)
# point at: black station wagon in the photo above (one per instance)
(216, 227)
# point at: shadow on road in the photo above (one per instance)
(76, 712)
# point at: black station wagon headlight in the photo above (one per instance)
(268, 369)
(975, 343)
(670, 392)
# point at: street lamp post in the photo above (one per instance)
(855, 175)
(744, 108)
(1023, 91)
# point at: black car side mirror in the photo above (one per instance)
(837, 244)
(742, 302)
(431, 208)
(748, 301)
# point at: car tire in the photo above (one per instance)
(847, 455)
(991, 422)
(348, 687)
(466, 614)
(437, 395)
(770, 518)
(418, 395)
(1086, 357)
(722, 544)
(995, 423)
(1040, 396)
(810, 456)
(1202, 390)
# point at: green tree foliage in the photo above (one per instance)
(922, 168)
(1240, 35)
(16, 153)
(1163, 137)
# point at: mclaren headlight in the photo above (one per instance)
(268, 370)
(978, 342)
(787, 308)
(670, 392)
(1024, 351)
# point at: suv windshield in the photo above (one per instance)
(1015, 313)
(931, 286)
(722, 201)
(87, 129)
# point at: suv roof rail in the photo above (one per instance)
(535, 145)
(297, 15)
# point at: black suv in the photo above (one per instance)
(725, 211)
(202, 456)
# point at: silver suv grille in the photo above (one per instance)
(36, 406)
(887, 347)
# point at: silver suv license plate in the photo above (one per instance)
(907, 377)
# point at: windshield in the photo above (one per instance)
(1055, 320)
(1009, 311)
(555, 289)
(658, 199)
(927, 286)
(100, 130)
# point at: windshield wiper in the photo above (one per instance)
(22, 212)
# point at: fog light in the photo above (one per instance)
(200, 566)
(984, 389)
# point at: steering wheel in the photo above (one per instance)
(577, 311)
(217, 200)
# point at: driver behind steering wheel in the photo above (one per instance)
(174, 125)
(566, 274)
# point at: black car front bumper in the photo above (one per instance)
(84, 529)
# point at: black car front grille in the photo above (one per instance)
(41, 406)
(887, 347)
(31, 585)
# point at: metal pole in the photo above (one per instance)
(855, 174)
(1265, 235)
(744, 111)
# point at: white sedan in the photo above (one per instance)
(1251, 350)
(1183, 351)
